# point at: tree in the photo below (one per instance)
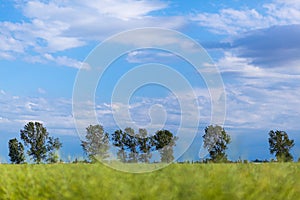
(41, 146)
(280, 144)
(16, 151)
(131, 142)
(145, 144)
(216, 140)
(96, 144)
(139, 146)
(53, 147)
(164, 142)
(119, 140)
(35, 137)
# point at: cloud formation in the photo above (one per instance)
(234, 21)
(16, 111)
(55, 26)
(277, 46)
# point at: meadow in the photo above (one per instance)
(177, 181)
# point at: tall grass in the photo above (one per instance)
(177, 181)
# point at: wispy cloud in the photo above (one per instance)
(277, 46)
(56, 26)
(16, 111)
(233, 21)
(148, 56)
(262, 108)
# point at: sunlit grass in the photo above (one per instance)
(177, 181)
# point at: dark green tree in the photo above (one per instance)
(280, 144)
(164, 142)
(119, 140)
(35, 137)
(145, 143)
(53, 146)
(216, 140)
(131, 142)
(96, 143)
(16, 151)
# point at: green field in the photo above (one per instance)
(177, 181)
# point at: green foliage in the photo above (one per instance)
(177, 181)
(16, 151)
(53, 147)
(53, 157)
(119, 140)
(164, 141)
(131, 141)
(280, 144)
(96, 144)
(137, 147)
(145, 144)
(130, 145)
(36, 137)
(216, 140)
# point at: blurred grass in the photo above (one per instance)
(177, 181)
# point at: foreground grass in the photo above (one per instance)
(177, 181)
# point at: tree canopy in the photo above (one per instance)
(96, 143)
(216, 140)
(137, 147)
(36, 138)
(280, 144)
(164, 142)
(16, 151)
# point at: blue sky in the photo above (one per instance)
(255, 46)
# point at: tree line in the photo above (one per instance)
(132, 147)
(41, 147)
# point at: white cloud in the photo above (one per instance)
(146, 56)
(17, 111)
(234, 21)
(8, 43)
(285, 12)
(259, 97)
(2, 92)
(6, 56)
(251, 103)
(56, 26)
(3, 120)
(124, 10)
(262, 108)
(244, 71)
(41, 91)
(231, 63)
(57, 60)
(66, 61)
(230, 21)
(127, 9)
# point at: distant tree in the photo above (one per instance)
(131, 142)
(119, 140)
(96, 143)
(53, 147)
(16, 151)
(216, 140)
(137, 147)
(280, 144)
(35, 137)
(145, 144)
(164, 142)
